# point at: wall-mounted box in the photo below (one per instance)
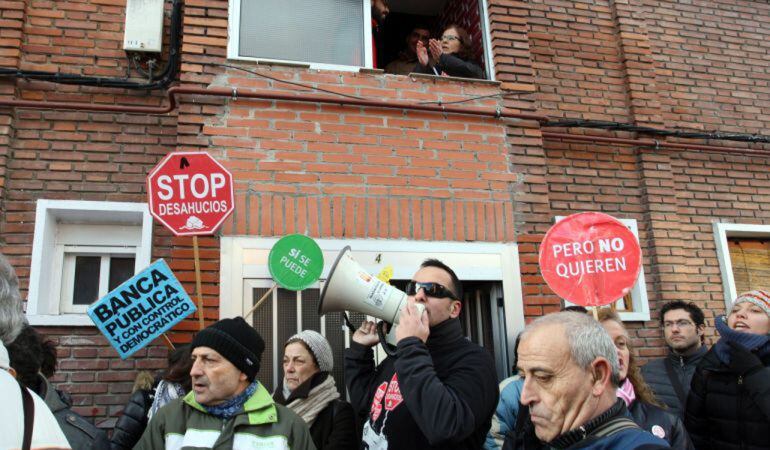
(144, 26)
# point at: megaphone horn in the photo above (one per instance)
(351, 288)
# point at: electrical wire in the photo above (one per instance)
(167, 76)
(618, 126)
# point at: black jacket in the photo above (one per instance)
(726, 411)
(334, 428)
(80, 433)
(454, 66)
(662, 424)
(435, 395)
(133, 421)
(656, 376)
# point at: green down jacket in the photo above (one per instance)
(185, 425)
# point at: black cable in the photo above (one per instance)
(478, 97)
(167, 76)
(618, 126)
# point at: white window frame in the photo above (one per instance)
(70, 253)
(233, 42)
(722, 232)
(245, 258)
(61, 226)
(639, 301)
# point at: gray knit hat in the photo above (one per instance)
(759, 297)
(319, 347)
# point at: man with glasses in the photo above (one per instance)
(669, 377)
(440, 390)
(407, 58)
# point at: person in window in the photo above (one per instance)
(407, 58)
(641, 402)
(451, 56)
(309, 390)
(380, 11)
(729, 402)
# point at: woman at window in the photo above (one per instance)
(309, 390)
(641, 402)
(729, 402)
(451, 56)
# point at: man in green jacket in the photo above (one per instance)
(227, 407)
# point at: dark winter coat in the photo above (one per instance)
(435, 395)
(133, 421)
(656, 376)
(334, 428)
(454, 66)
(727, 411)
(662, 424)
(80, 433)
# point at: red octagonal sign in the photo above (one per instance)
(590, 259)
(190, 193)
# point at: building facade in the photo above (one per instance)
(400, 168)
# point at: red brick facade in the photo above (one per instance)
(363, 172)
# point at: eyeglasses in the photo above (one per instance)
(431, 290)
(447, 38)
(679, 324)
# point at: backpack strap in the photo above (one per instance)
(29, 417)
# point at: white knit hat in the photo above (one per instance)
(5, 361)
(759, 297)
(318, 346)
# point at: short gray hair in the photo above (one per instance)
(11, 314)
(587, 339)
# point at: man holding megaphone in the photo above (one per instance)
(440, 389)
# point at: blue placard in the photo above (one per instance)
(141, 309)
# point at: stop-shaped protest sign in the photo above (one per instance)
(590, 259)
(190, 193)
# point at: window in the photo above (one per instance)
(337, 34)
(81, 251)
(743, 251)
(634, 306)
(492, 308)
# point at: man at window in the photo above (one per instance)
(380, 11)
(440, 390)
(407, 58)
(683, 328)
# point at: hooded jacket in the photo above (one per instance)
(184, 424)
(435, 395)
(656, 376)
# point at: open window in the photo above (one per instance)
(338, 34)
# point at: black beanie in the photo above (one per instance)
(235, 340)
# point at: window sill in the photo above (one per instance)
(69, 320)
(428, 77)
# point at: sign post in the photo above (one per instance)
(191, 194)
(141, 309)
(295, 263)
(590, 259)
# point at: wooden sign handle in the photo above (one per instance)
(201, 324)
(259, 302)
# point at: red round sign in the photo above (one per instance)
(590, 259)
(190, 193)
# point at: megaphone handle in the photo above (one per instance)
(389, 349)
(348, 323)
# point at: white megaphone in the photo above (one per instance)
(351, 288)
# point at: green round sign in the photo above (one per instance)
(295, 262)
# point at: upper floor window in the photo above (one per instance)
(355, 34)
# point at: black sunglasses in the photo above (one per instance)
(431, 290)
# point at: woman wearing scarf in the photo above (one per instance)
(641, 402)
(729, 403)
(309, 390)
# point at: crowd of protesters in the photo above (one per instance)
(576, 385)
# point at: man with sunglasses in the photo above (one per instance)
(440, 390)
